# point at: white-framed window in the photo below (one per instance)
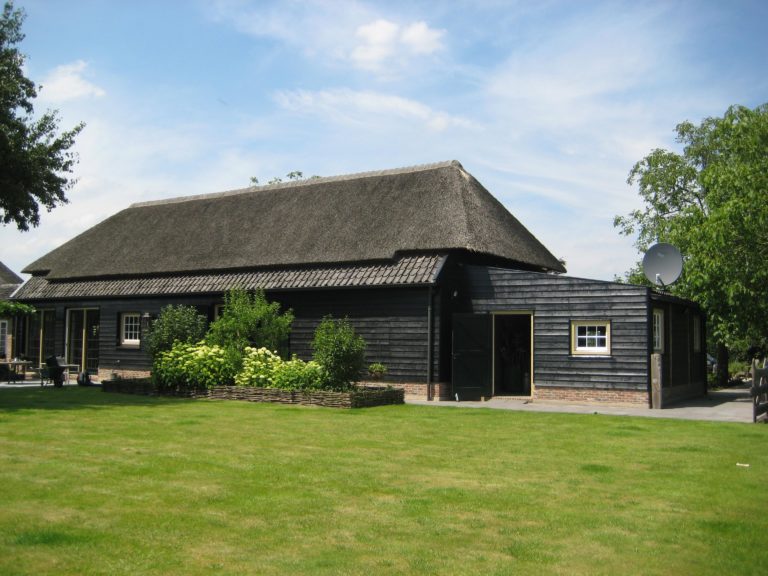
(3, 337)
(697, 333)
(658, 330)
(218, 310)
(591, 337)
(130, 329)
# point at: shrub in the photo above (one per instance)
(193, 366)
(176, 323)
(377, 370)
(259, 366)
(295, 374)
(265, 369)
(250, 320)
(340, 352)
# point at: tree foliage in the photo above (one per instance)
(340, 352)
(710, 202)
(176, 323)
(250, 320)
(10, 308)
(35, 161)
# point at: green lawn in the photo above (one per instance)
(94, 483)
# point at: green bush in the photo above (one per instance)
(259, 366)
(295, 374)
(340, 352)
(250, 320)
(193, 366)
(265, 369)
(176, 323)
(377, 370)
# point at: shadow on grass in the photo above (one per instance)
(74, 398)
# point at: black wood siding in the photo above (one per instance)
(557, 300)
(393, 321)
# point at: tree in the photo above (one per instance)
(294, 176)
(340, 352)
(34, 160)
(249, 319)
(176, 323)
(710, 202)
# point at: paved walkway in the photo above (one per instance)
(729, 405)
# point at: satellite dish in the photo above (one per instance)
(662, 264)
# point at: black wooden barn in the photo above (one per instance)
(451, 292)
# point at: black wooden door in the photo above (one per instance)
(472, 355)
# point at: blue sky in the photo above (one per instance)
(547, 103)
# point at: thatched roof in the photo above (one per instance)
(9, 281)
(355, 218)
(8, 276)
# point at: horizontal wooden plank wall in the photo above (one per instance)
(393, 321)
(555, 302)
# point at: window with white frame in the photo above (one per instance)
(130, 329)
(658, 330)
(3, 337)
(592, 337)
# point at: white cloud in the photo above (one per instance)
(367, 108)
(386, 43)
(337, 33)
(378, 43)
(421, 39)
(67, 82)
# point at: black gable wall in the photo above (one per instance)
(555, 301)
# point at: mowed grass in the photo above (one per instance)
(95, 483)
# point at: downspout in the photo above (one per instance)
(430, 322)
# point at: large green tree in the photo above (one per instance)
(35, 161)
(711, 201)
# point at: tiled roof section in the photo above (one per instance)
(407, 270)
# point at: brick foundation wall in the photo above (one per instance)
(418, 390)
(591, 395)
(110, 374)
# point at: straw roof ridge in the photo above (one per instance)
(298, 183)
(355, 218)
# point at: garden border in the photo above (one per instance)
(362, 397)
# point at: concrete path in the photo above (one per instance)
(729, 405)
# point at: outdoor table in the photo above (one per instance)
(13, 366)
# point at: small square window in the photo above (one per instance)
(591, 338)
(130, 329)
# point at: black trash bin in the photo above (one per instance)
(55, 370)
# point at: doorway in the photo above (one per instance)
(492, 355)
(512, 354)
(83, 339)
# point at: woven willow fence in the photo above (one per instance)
(359, 398)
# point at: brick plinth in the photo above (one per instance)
(112, 374)
(591, 395)
(418, 390)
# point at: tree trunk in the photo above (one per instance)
(722, 365)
